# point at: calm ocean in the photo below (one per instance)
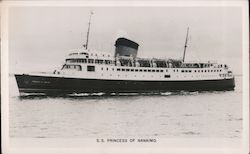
(183, 114)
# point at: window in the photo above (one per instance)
(149, 70)
(189, 71)
(127, 70)
(84, 60)
(153, 70)
(157, 70)
(167, 76)
(118, 69)
(107, 69)
(136, 70)
(107, 62)
(90, 60)
(91, 68)
(132, 70)
(161, 70)
(123, 69)
(140, 70)
(182, 70)
(99, 61)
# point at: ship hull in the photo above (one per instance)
(62, 85)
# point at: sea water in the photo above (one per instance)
(181, 114)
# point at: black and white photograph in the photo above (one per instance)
(114, 76)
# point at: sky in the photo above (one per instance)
(40, 37)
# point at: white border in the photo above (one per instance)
(85, 145)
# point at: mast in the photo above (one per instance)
(185, 47)
(87, 41)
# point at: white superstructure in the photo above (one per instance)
(94, 65)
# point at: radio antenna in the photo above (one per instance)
(185, 47)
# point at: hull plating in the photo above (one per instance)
(59, 85)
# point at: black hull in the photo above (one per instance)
(60, 85)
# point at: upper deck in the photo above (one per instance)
(87, 57)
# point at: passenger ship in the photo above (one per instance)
(86, 71)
